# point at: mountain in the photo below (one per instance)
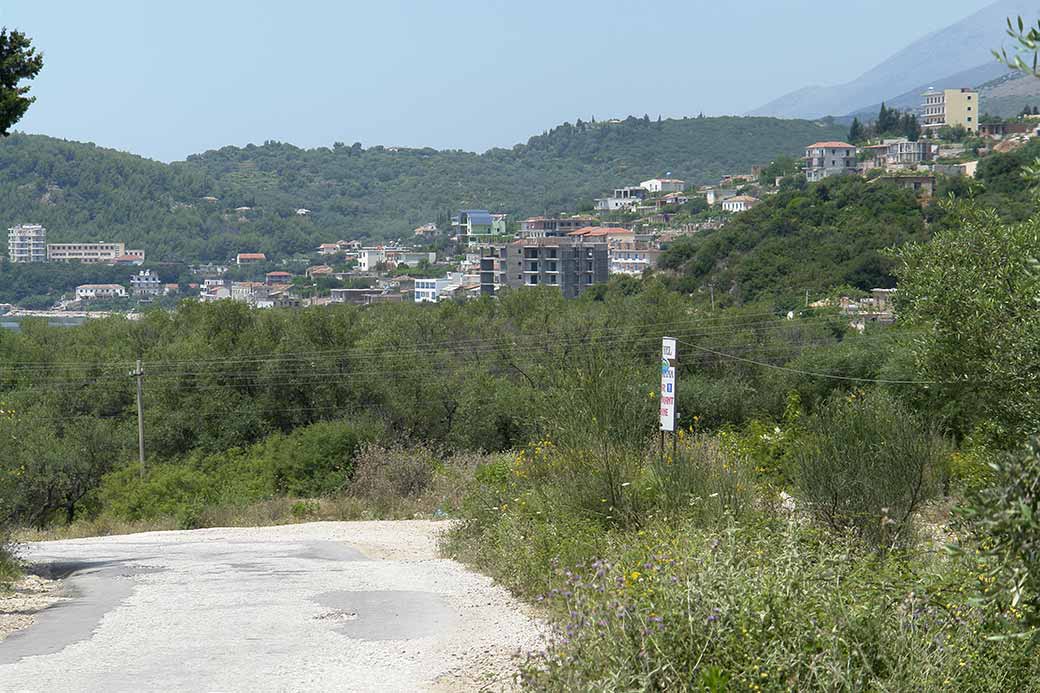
(961, 50)
(245, 198)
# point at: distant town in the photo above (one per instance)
(482, 251)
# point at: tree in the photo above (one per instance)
(18, 61)
(855, 131)
(972, 296)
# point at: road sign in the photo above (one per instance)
(669, 362)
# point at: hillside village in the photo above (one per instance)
(478, 252)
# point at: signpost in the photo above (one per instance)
(669, 363)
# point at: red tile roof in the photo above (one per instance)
(831, 145)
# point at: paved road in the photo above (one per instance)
(329, 606)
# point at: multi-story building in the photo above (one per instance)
(146, 283)
(622, 198)
(951, 107)
(433, 290)
(572, 264)
(825, 159)
(475, 225)
(633, 257)
(27, 243)
(663, 185)
(547, 227)
(85, 252)
(897, 155)
(87, 292)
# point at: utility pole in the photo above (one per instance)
(139, 374)
(711, 287)
(806, 298)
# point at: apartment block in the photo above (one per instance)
(85, 252)
(951, 107)
(27, 243)
(571, 264)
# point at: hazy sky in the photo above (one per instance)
(173, 78)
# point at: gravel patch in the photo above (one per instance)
(27, 597)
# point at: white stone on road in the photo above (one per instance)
(328, 606)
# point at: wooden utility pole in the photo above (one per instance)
(139, 374)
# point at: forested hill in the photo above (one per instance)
(80, 191)
(806, 237)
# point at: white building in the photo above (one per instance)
(663, 185)
(433, 290)
(86, 292)
(622, 198)
(740, 203)
(27, 243)
(632, 257)
(368, 258)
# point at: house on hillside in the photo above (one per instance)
(740, 203)
(475, 224)
(278, 278)
(922, 186)
(622, 198)
(663, 185)
(250, 258)
(88, 292)
(825, 159)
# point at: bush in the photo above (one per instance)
(770, 607)
(866, 465)
(386, 474)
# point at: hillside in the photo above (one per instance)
(959, 50)
(80, 191)
(813, 237)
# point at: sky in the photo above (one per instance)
(169, 79)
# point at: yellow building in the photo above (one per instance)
(951, 107)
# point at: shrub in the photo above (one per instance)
(770, 607)
(866, 465)
(386, 474)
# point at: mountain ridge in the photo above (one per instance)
(962, 46)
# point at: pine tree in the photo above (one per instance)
(855, 131)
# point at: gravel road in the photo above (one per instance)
(328, 606)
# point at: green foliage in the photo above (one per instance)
(1006, 520)
(973, 293)
(19, 61)
(828, 233)
(867, 465)
(769, 607)
(311, 461)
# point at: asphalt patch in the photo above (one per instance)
(387, 615)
